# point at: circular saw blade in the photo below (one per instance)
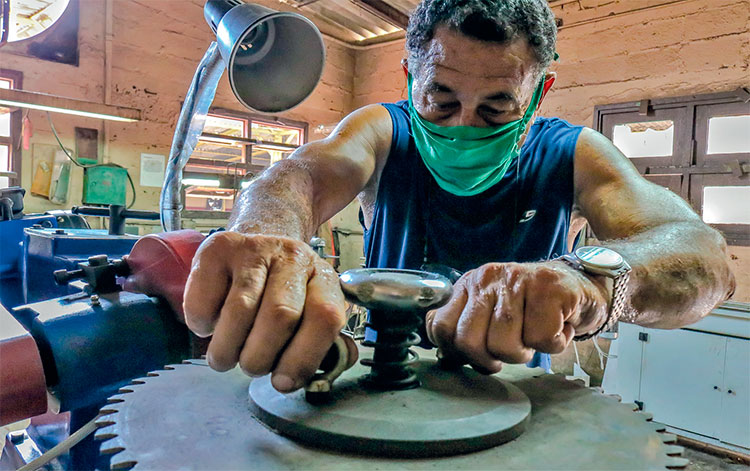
(191, 417)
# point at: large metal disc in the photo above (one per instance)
(453, 412)
(190, 417)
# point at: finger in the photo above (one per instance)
(440, 324)
(278, 316)
(236, 317)
(206, 288)
(323, 318)
(471, 331)
(505, 333)
(544, 318)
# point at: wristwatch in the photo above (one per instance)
(605, 262)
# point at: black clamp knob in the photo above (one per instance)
(99, 272)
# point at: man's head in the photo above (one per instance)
(477, 62)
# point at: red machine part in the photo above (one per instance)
(160, 265)
(23, 388)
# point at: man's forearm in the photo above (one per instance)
(680, 272)
(280, 202)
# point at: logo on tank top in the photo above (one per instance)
(528, 215)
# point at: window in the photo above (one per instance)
(10, 130)
(232, 150)
(697, 146)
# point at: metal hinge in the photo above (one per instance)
(639, 404)
(643, 336)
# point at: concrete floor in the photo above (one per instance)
(701, 461)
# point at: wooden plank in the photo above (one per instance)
(384, 11)
(58, 104)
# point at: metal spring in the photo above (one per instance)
(392, 355)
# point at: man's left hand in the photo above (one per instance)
(503, 312)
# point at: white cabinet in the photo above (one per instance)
(736, 394)
(695, 379)
(682, 375)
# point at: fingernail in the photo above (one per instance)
(283, 383)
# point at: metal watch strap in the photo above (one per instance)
(619, 292)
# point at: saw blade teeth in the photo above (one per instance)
(125, 390)
(660, 428)
(124, 466)
(616, 397)
(152, 374)
(668, 438)
(677, 463)
(115, 400)
(123, 461)
(675, 450)
(105, 432)
(111, 446)
(646, 415)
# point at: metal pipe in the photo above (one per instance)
(190, 124)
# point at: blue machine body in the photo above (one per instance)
(90, 349)
(47, 250)
(11, 236)
(11, 255)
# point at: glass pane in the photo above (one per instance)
(225, 126)
(5, 112)
(647, 139)
(4, 159)
(729, 135)
(199, 198)
(212, 150)
(266, 157)
(4, 122)
(275, 133)
(726, 204)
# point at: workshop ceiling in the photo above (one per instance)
(362, 22)
(359, 22)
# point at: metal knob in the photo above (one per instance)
(397, 301)
(393, 289)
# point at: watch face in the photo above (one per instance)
(600, 257)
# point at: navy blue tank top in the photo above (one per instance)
(523, 218)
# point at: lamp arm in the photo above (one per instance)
(190, 124)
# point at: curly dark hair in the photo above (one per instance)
(501, 21)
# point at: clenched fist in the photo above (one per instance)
(270, 302)
(503, 312)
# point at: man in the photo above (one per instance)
(441, 179)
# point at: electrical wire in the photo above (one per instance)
(79, 164)
(62, 447)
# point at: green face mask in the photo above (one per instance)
(467, 160)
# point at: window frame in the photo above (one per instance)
(247, 166)
(689, 169)
(16, 123)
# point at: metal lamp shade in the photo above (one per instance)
(275, 59)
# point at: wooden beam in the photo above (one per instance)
(58, 104)
(384, 11)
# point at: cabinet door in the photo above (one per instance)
(627, 380)
(682, 379)
(735, 406)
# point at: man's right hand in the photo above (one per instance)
(270, 302)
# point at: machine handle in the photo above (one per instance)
(117, 215)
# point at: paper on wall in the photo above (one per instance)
(152, 169)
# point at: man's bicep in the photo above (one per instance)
(616, 200)
(343, 163)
